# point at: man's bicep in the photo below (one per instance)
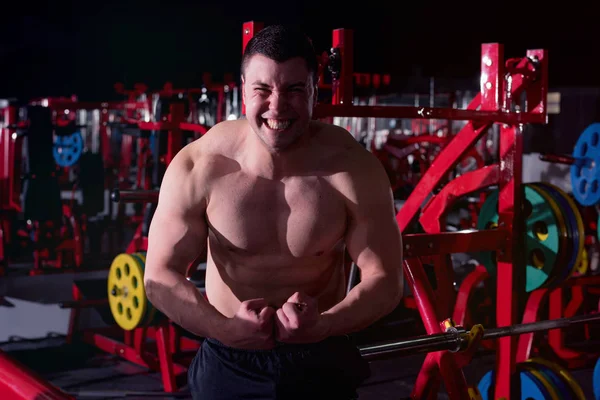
(178, 229)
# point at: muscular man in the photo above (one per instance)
(278, 198)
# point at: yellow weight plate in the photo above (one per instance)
(542, 379)
(580, 224)
(562, 258)
(581, 269)
(126, 293)
(474, 393)
(564, 374)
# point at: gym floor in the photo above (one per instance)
(89, 374)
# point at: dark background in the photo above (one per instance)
(83, 48)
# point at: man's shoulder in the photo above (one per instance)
(348, 154)
(210, 155)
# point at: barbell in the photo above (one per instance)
(458, 339)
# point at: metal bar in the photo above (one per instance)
(83, 303)
(519, 329)
(132, 196)
(323, 110)
(455, 341)
(450, 155)
(558, 159)
(426, 244)
(432, 217)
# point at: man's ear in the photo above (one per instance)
(242, 88)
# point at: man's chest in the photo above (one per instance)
(300, 216)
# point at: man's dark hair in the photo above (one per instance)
(281, 43)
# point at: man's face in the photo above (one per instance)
(279, 100)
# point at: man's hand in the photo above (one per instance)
(299, 321)
(251, 327)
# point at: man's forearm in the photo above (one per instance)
(373, 298)
(182, 302)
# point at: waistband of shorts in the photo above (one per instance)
(344, 339)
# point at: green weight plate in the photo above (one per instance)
(488, 219)
(543, 235)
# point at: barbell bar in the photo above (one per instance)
(458, 339)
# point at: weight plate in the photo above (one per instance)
(561, 267)
(581, 269)
(577, 392)
(488, 219)
(126, 293)
(578, 231)
(544, 380)
(584, 171)
(564, 268)
(486, 385)
(153, 315)
(150, 309)
(474, 393)
(558, 383)
(67, 149)
(543, 235)
(596, 380)
(531, 388)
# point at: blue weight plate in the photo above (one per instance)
(585, 172)
(486, 385)
(572, 229)
(596, 380)
(67, 149)
(531, 388)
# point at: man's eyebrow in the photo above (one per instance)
(259, 83)
(292, 85)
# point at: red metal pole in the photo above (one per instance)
(510, 273)
(105, 138)
(17, 382)
(343, 87)
(175, 136)
(453, 376)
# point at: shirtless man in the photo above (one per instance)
(277, 198)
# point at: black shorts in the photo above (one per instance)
(331, 369)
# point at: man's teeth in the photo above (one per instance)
(278, 123)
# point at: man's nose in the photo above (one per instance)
(277, 101)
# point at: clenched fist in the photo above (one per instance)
(251, 327)
(299, 321)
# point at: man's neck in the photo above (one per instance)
(272, 164)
